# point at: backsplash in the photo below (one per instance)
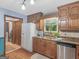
(69, 34)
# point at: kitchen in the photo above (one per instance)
(43, 30)
(62, 42)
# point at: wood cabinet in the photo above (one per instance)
(35, 41)
(69, 17)
(38, 25)
(77, 52)
(42, 47)
(45, 47)
(63, 18)
(51, 49)
(35, 18)
(41, 26)
(74, 16)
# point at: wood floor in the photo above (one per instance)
(19, 54)
(11, 47)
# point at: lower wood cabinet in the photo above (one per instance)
(51, 49)
(45, 47)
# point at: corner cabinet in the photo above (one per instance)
(45, 47)
(36, 18)
(69, 17)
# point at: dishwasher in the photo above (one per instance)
(66, 51)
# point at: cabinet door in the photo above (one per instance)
(77, 52)
(38, 45)
(42, 47)
(38, 25)
(74, 24)
(42, 24)
(34, 44)
(51, 49)
(74, 11)
(74, 16)
(63, 24)
(63, 18)
(63, 12)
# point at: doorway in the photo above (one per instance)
(12, 31)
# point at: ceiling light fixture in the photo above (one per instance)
(23, 5)
(32, 2)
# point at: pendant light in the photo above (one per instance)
(23, 5)
(32, 2)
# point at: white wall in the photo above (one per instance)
(1, 24)
(11, 13)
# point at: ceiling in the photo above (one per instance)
(45, 6)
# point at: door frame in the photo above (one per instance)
(21, 19)
(8, 31)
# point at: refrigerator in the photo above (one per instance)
(28, 31)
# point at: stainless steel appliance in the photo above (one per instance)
(65, 51)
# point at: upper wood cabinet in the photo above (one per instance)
(63, 24)
(74, 16)
(69, 17)
(35, 18)
(63, 12)
(63, 18)
(41, 26)
(74, 11)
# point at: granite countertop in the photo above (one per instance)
(68, 40)
(63, 40)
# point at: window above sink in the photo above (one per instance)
(51, 24)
